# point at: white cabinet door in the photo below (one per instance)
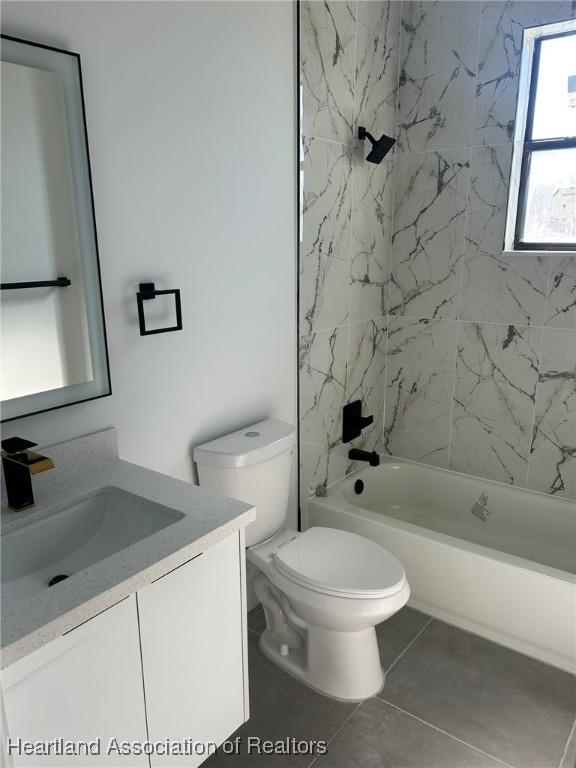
(84, 686)
(191, 628)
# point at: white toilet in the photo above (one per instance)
(323, 590)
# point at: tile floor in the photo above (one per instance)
(451, 700)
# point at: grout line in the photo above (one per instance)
(565, 752)
(353, 176)
(530, 435)
(467, 218)
(454, 375)
(410, 644)
(464, 148)
(399, 67)
(307, 137)
(382, 382)
(500, 323)
(537, 388)
(477, 72)
(338, 731)
(355, 84)
(333, 328)
(394, 175)
(390, 259)
(461, 277)
(446, 733)
(503, 323)
(386, 348)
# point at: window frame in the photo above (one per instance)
(531, 145)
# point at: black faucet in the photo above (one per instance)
(355, 454)
(19, 464)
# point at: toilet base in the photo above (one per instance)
(342, 665)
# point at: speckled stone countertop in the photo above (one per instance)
(84, 467)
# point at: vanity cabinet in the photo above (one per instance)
(86, 685)
(191, 628)
(168, 662)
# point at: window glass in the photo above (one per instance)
(555, 103)
(550, 213)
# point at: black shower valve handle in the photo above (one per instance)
(353, 422)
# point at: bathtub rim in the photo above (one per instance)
(336, 497)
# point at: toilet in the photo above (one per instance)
(323, 590)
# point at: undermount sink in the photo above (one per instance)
(78, 536)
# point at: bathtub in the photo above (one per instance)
(490, 558)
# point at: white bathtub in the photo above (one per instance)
(488, 557)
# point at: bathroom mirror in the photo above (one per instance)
(53, 338)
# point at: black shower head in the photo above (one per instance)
(380, 147)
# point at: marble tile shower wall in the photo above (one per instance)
(481, 366)
(349, 74)
(407, 299)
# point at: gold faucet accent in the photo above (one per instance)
(19, 464)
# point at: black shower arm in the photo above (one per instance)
(364, 134)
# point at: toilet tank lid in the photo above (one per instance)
(247, 446)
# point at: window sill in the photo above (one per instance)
(508, 252)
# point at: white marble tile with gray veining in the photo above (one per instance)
(501, 27)
(323, 387)
(494, 397)
(565, 264)
(429, 230)
(319, 467)
(561, 307)
(323, 293)
(419, 379)
(437, 74)
(497, 287)
(366, 379)
(322, 373)
(371, 235)
(553, 452)
(377, 66)
(328, 68)
(325, 246)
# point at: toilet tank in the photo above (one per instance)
(254, 465)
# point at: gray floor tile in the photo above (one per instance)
(569, 760)
(282, 707)
(397, 632)
(256, 619)
(379, 736)
(508, 705)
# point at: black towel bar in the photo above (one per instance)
(60, 282)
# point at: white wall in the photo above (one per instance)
(191, 121)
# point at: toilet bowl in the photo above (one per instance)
(323, 590)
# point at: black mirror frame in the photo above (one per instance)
(107, 382)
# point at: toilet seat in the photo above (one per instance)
(340, 563)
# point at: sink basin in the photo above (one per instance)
(68, 541)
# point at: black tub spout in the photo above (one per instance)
(370, 456)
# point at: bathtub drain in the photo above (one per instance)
(56, 579)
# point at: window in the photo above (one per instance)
(542, 204)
